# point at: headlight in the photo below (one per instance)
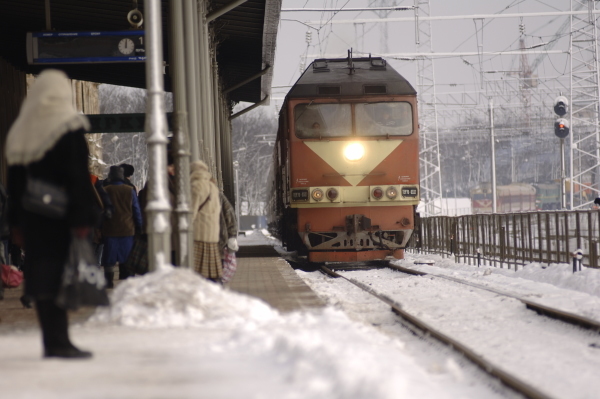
(317, 194)
(377, 193)
(332, 194)
(391, 192)
(354, 152)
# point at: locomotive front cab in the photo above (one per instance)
(354, 175)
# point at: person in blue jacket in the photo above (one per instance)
(118, 232)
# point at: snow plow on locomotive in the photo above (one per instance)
(345, 176)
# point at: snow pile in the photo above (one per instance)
(326, 355)
(561, 275)
(316, 354)
(176, 297)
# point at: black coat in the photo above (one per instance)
(3, 213)
(46, 240)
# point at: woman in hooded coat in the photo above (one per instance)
(46, 143)
(206, 208)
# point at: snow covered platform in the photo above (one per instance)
(274, 281)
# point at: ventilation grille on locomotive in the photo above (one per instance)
(371, 89)
(329, 90)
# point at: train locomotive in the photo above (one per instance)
(345, 176)
(516, 197)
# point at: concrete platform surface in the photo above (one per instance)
(274, 281)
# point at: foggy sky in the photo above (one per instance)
(447, 36)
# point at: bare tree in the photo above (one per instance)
(128, 148)
(253, 139)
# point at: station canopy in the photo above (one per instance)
(245, 38)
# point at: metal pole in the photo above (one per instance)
(563, 193)
(571, 120)
(226, 152)
(197, 70)
(493, 150)
(185, 254)
(203, 103)
(237, 194)
(190, 76)
(205, 70)
(158, 208)
(48, 18)
(217, 119)
(592, 8)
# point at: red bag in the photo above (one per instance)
(229, 266)
(11, 276)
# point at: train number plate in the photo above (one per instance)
(409, 192)
(300, 195)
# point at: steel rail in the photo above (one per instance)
(506, 378)
(544, 310)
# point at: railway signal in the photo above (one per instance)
(561, 128)
(561, 105)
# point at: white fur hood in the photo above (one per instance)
(46, 115)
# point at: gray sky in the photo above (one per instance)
(447, 36)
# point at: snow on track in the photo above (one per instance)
(548, 354)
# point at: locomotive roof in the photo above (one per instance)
(334, 77)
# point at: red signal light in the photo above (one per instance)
(332, 194)
(377, 193)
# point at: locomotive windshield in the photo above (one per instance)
(335, 120)
(383, 119)
(323, 120)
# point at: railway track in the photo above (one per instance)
(511, 380)
(543, 310)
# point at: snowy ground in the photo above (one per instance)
(171, 334)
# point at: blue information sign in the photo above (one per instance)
(85, 47)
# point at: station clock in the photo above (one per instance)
(85, 47)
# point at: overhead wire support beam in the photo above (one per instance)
(411, 56)
(584, 138)
(223, 10)
(452, 17)
(394, 8)
(246, 81)
(429, 152)
(250, 108)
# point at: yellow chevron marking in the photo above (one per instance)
(332, 152)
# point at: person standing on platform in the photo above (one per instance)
(118, 232)
(206, 208)
(128, 171)
(46, 148)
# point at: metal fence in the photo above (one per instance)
(512, 239)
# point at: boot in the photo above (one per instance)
(124, 271)
(67, 353)
(109, 275)
(55, 332)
